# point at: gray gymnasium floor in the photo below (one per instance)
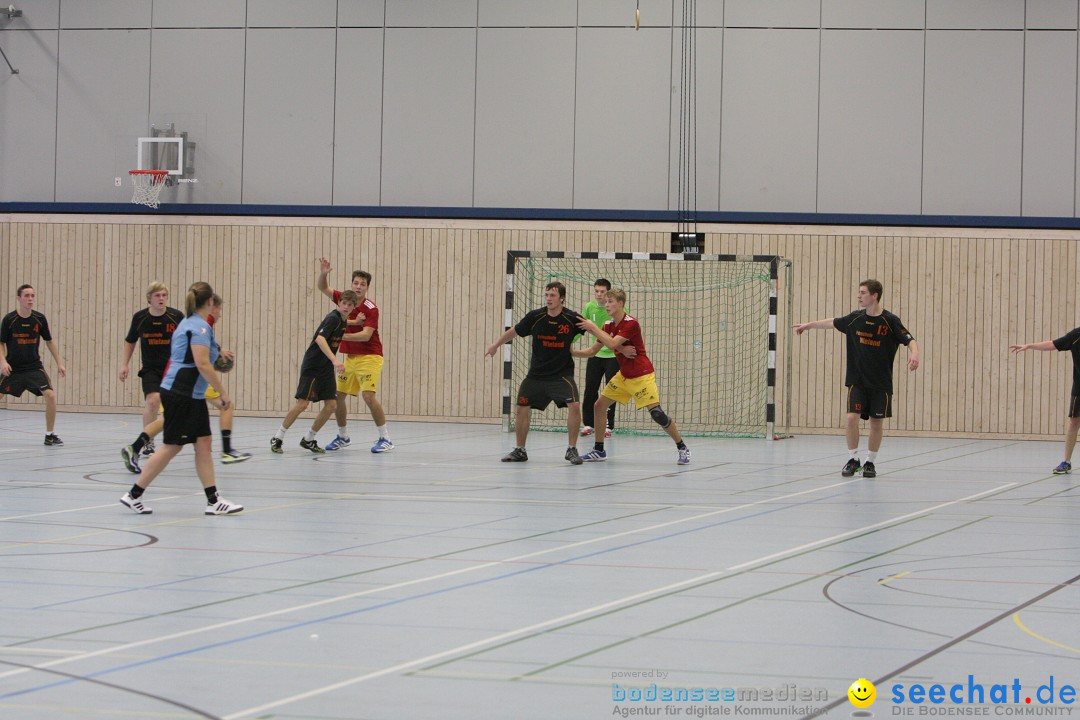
(437, 582)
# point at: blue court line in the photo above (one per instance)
(410, 598)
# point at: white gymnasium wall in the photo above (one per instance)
(893, 106)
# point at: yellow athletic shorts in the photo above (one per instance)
(361, 374)
(643, 389)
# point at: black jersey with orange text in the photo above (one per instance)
(872, 342)
(154, 335)
(315, 361)
(22, 338)
(1071, 341)
(551, 338)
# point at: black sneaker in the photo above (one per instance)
(868, 470)
(851, 468)
(516, 455)
(52, 439)
(275, 445)
(312, 445)
(572, 456)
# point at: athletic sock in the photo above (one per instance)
(871, 456)
(211, 494)
(383, 432)
(598, 446)
(136, 492)
(310, 435)
(280, 434)
(226, 441)
(140, 443)
(854, 454)
(681, 445)
(343, 432)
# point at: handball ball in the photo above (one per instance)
(224, 364)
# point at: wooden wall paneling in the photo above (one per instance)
(1033, 389)
(963, 335)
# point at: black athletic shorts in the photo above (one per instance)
(151, 380)
(186, 419)
(36, 381)
(869, 403)
(1074, 405)
(538, 393)
(317, 388)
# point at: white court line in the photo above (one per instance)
(407, 583)
(81, 509)
(495, 639)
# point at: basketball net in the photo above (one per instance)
(147, 184)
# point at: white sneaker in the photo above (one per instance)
(587, 430)
(223, 507)
(136, 506)
(607, 432)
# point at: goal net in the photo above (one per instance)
(708, 322)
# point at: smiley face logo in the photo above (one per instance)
(862, 693)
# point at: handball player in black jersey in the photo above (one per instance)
(551, 369)
(21, 369)
(151, 330)
(873, 336)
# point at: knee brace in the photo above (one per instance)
(660, 417)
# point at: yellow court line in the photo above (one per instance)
(1037, 636)
(886, 581)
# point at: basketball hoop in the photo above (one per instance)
(148, 184)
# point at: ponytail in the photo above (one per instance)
(198, 295)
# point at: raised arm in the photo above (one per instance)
(321, 282)
(506, 337)
(822, 324)
(587, 352)
(1043, 345)
(612, 342)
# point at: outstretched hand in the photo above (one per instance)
(324, 265)
(1019, 348)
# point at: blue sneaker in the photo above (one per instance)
(381, 445)
(337, 443)
(1064, 468)
(595, 455)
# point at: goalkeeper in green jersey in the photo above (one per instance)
(601, 367)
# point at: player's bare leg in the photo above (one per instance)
(877, 431)
(521, 424)
(150, 408)
(329, 408)
(1070, 437)
(573, 422)
(852, 432)
(294, 412)
(50, 410)
(383, 444)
